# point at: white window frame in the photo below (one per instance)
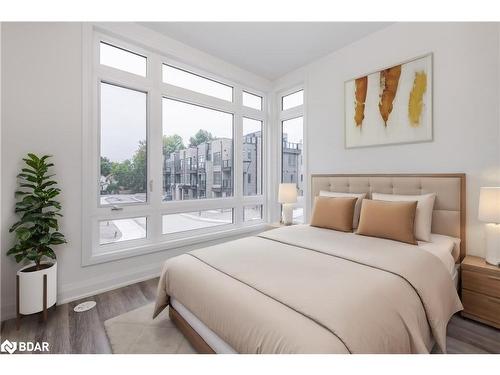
(290, 114)
(154, 208)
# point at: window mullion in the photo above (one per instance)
(238, 156)
(155, 154)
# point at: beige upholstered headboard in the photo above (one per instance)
(449, 208)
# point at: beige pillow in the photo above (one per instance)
(333, 213)
(357, 207)
(391, 220)
(423, 216)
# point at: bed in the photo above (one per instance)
(303, 289)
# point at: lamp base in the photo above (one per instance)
(493, 244)
(287, 214)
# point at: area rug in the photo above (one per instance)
(136, 332)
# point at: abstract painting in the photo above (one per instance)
(390, 106)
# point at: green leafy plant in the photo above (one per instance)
(37, 230)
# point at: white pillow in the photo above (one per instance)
(357, 206)
(423, 216)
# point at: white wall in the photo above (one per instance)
(42, 102)
(466, 101)
(1, 179)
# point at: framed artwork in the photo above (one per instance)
(390, 106)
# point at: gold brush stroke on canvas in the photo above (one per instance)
(415, 104)
(389, 79)
(361, 88)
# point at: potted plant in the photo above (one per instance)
(36, 233)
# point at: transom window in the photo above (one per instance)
(194, 82)
(122, 59)
(252, 101)
(292, 100)
(175, 157)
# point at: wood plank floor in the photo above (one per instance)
(70, 332)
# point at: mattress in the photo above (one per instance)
(310, 290)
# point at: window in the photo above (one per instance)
(122, 59)
(193, 82)
(252, 213)
(111, 231)
(252, 161)
(292, 147)
(188, 221)
(217, 158)
(292, 100)
(191, 132)
(292, 140)
(123, 166)
(252, 101)
(217, 179)
(160, 176)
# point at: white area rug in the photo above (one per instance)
(136, 332)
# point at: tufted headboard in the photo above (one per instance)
(449, 209)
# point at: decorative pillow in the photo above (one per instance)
(333, 213)
(423, 218)
(357, 208)
(391, 220)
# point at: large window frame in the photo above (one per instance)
(291, 114)
(154, 207)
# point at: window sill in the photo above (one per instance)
(190, 242)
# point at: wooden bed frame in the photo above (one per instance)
(189, 333)
(203, 348)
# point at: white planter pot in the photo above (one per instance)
(31, 288)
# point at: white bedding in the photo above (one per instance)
(442, 247)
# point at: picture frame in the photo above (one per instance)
(392, 105)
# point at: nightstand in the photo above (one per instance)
(481, 291)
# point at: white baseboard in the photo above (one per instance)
(75, 291)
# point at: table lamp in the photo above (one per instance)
(287, 196)
(489, 212)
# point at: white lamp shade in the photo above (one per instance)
(489, 204)
(287, 193)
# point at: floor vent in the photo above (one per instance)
(84, 306)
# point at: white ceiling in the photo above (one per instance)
(268, 49)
